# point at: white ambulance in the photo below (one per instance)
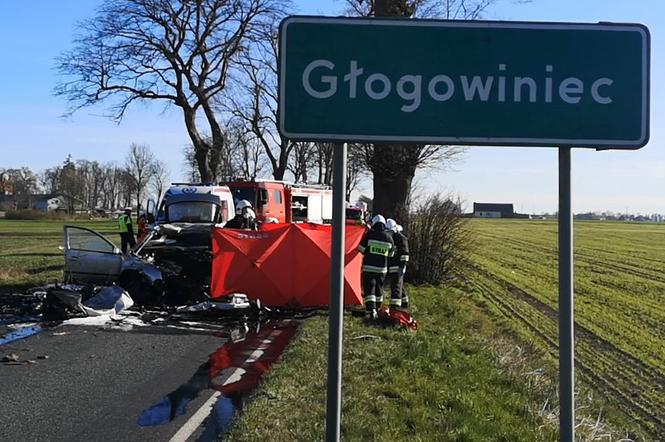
(195, 204)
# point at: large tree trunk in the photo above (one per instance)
(201, 148)
(218, 142)
(392, 179)
(393, 175)
(281, 163)
(388, 174)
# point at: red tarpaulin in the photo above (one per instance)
(284, 264)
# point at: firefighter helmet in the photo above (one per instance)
(391, 225)
(378, 219)
(241, 205)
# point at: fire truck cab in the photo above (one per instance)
(281, 202)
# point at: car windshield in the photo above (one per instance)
(192, 212)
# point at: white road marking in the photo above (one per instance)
(228, 376)
(194, 422)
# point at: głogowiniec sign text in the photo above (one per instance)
(493, 83)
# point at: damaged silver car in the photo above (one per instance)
(90, 258)
(172, 265)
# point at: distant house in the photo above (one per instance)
(493, 210)
(47, 202)
(41, 202)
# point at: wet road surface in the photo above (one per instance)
(146, 384)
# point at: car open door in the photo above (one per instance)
(89, 257)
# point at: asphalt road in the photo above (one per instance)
(96, 382)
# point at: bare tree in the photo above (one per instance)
(127, 187)
(393, 166)
(69, 184)
(301, 161)
(177, 51)
(223, 162)
(49, 180)
(445, 9)
(114, 186)
(355, 169)
(160, 176)
(248, 152)
(87, 184)
(89, 181)
(323, 153)
(22, 184)
(254, 98)
(140, 165)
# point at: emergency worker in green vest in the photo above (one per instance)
(376, 246)
(126, 230)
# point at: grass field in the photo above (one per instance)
(456, 379)
(619, 302)
(29, 253)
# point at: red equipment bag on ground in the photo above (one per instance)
(397, 318)
(285, 265)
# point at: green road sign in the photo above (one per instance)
(448, 82)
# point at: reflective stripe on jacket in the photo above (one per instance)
(376, 246)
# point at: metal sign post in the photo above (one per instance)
(336, 312)
(566, 320)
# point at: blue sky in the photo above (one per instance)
(32, 133)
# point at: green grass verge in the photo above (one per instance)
(457, 379)
(29, 253)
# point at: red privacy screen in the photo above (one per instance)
(284, 264)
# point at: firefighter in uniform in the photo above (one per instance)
(376, 246)
(245, 217)
(126, 230)
(397, 265)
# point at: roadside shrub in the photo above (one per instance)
(439, 241)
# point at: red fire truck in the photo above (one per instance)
(282, 202)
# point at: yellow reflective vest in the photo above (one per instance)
(124, 221)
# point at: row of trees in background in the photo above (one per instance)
(217, 62)
(90, 185)
(242, 156)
